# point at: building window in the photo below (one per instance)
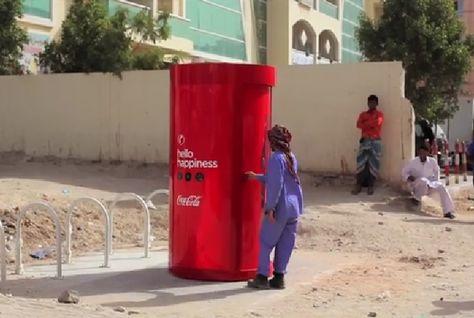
(260, 7)
(175, 7)
(328, 47)
(37, 8)
(459, 6)
(329, 7)
(307, 3)
(303, 43)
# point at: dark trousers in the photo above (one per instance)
(365, 178)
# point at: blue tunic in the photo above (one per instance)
(284, 196)
(283, 192)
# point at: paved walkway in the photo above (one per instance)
(146, 285)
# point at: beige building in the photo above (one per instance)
(316, 31)
(278, 32)
(301, 34)
(461, 126)
(42, 19)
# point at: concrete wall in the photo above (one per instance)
(99, 116)
(320, 104)
(91, 117)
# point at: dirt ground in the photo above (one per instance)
(407, 263)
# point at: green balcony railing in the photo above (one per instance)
(328, 8)
(180, 27)
(37, 8)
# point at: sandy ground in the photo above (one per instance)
(401, 262)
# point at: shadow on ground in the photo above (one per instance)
(157, 284)
(449, 308)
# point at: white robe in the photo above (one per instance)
(427, 181)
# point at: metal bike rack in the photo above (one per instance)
(105, 213)
(146, 234)
(3, 254)
(157, 192)
(52, 213)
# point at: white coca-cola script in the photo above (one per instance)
(189, 201)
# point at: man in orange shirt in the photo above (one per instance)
(370, 148)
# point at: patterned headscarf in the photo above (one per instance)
(280, 138)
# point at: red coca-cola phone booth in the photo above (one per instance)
(219, 117)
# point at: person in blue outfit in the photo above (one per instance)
(283, 206)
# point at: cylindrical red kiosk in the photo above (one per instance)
(219, 117)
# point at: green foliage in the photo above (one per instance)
(148, 60)
(93, 41)
(12, 37)
(428, 38)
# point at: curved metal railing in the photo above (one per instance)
(52, 213)
(146, 234)
(105, 213)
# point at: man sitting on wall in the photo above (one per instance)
(422, 175)
(370, 147)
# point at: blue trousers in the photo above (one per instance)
(280, 236)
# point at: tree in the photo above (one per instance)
(12, 37)
(428, 38)
(93, 41)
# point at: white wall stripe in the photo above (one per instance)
(221, 6)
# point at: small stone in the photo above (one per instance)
(69, 297)
(120, 309)
(471, 208)
(10, 225)
(380, 223)
(383, 296)
(448, 229)
(441, 299)
(134, 312)
(372, 314)
(381, 213)
(339, 294)
(441, 251)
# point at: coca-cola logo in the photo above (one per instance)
(181, 140)
(189, 201)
